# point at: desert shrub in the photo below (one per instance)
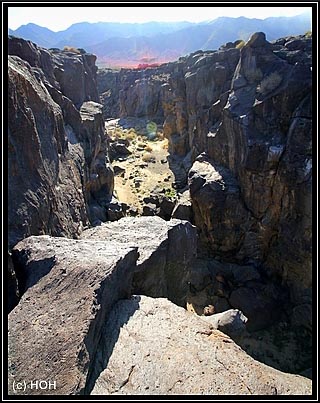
(71, 49)
(170, 193)
(131, 134)
(308, 34)
(116, 133)
(148, 157)
(269, 83)
(148, 148)
(141, 144)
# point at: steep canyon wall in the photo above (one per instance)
(58, 168)
(242, 116)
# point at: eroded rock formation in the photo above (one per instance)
(151, 354)
(162, 269)
(69, 287)
(59, 172)
(248, 109)
(239, 128)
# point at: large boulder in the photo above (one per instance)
(219, 213)
(152, 347)
(70, 286)
(231, 322)
(166, 248)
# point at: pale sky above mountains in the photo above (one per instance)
(60, 18)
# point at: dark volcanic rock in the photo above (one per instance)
(45, 190)
(218, 210)
(152, 347)
(259, 303)
(166, 248)
(108, 88)
(74, 74)
(249, 109)
(54, 330)
(13, 291)
(183, 208)
(263, 136)
(58, 155)
(99, 175)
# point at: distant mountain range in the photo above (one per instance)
(127, 45)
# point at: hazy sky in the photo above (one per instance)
(60, 18)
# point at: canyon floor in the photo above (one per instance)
(145, 170)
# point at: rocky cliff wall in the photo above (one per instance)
(59, 173)
(247, 107)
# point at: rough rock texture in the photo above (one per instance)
(98, 170)
(108, 88)
(264, 138)
(58, 159)
(167, 249)
(133, 92)
(45, 191)
(69, 286)
(12, 286)
(223, 286)
(152, 347)
(219, 212)
(183, 208)
(231, 322)
(249, 109)
(75, 73)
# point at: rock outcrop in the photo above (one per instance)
(58, 156)
(253, 138)
(152, 347)
(12, 286)
(167, 250)
(248, 108)
(238, 123)
(69, 287)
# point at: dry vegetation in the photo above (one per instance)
(146, 169)
(71, 49)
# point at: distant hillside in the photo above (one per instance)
(85, 33)
(119, 44)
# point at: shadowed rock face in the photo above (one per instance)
(152, 347)
(59, 173)
(167, 250)
(249, 111)
(70, 286)
(74, 74)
